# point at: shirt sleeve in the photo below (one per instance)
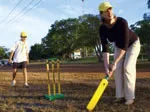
(123, 41)
(14, 47)
(104, 41)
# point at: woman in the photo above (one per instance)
(127, 47)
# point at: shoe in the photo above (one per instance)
(119, 100)
(13, 83)
(129, 102)
(26, 85)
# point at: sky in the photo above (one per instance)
(35, 17)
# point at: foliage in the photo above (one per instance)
(66, 36)
(36, 52)
(148, 3)
(88, 60)
(88, 33)
(146, 16)
(142, 28)
(61, 38)
(88, 30)
(3, 52)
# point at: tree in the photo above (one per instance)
(66, 36)
(36, 52)
(4, 52)
(142, 29)
(88, 33)
(148, 3)
(61, 38)
(146, 16)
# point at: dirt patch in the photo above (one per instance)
(77, 88)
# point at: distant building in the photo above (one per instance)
(76, 54)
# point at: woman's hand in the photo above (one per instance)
(113, 67)
(110, 73)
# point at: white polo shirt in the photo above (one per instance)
(20, 51)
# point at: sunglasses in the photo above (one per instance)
(23, 37)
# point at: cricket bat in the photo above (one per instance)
(98, 93)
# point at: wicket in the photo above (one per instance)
(53, 62)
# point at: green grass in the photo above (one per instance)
(81, 60)
(91, 60)
(72, 61)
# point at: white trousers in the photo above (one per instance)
(125, 73)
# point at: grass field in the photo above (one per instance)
(77, 88)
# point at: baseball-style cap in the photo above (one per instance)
(23, 34)
(104, 6)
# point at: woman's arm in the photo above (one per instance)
(115, 62)
(119, 57)
(106, 62)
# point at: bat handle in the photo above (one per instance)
(106, 77)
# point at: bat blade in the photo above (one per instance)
(97, 95)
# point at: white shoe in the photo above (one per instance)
(13, 83)
(26, 85)
(129, 102)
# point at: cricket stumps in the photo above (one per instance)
(53, 65)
